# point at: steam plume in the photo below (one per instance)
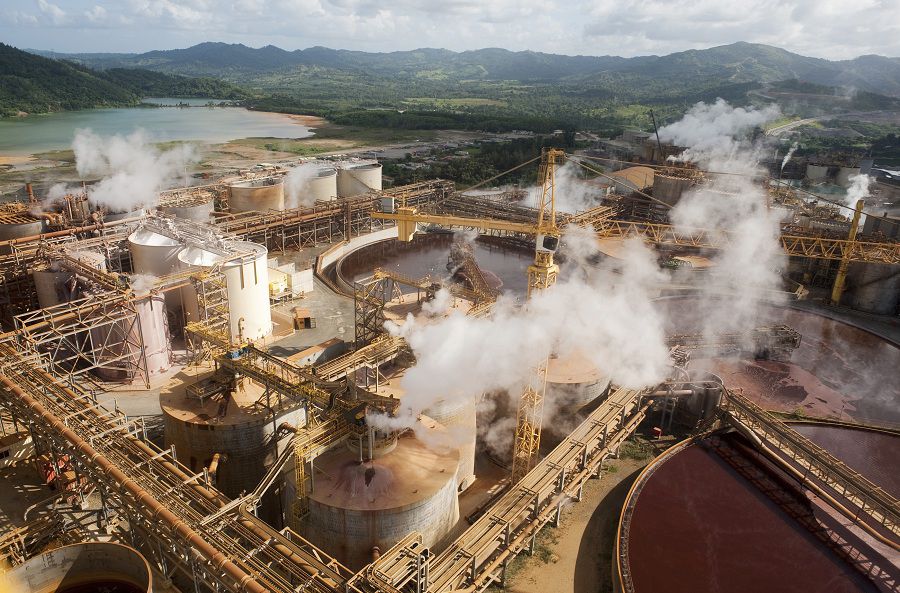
(133, 170)
(296, 186)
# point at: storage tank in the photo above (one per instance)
(199, 207)
(259, 194)
(247, 283)
(116, 344)
(324, 185)
(458, 416)
(354, 180)
(19, 224)
(57, 285)
(844, 174)
(670, 187)
(816, 173)
(154, 254)
(81, 568)
(874, 288)
(357, 506)
(574, 381)
(229, 423)
(114, 216)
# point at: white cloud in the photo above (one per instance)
(833, 29)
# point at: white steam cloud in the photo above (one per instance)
(858, 190)
(746, 271)
(296, 186)
(572, 193)
(711, 129)
(608, 308)
(789, 154)
(133, 170)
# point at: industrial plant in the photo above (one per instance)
(299, 377)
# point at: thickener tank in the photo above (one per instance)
(357, 506)
(247, 284)
(323, 186)
(82, 568)
(227, 423)
(259, 194)
(353, 180)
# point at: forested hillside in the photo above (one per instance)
(34, 84)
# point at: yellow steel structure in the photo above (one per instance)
(841, 278)
(542, 274)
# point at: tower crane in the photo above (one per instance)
(542, 274)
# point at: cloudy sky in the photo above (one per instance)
(834, 29)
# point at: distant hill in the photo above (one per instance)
(35, 84)
(736, 63)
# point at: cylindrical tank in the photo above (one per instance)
(873, 288)
(231, 426)
(353, 180)
(57, 285)
(199, 210)
(117, 344)
(844, 174)
(574, 381)
(258, 194)
(816, 173)
(154, 254)
(19, 225)
(82, 568)
(247, 283)
(324, 185)
(669, 188)
(458, 416)
(357, 506)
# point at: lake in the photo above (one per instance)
(54, 131)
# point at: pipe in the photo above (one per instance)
(142, 497)
(214, 465)
(30, 191)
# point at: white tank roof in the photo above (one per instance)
(146, 237)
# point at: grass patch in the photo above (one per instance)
(637, 448)
(331, 138)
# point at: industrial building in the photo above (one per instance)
(273, 458)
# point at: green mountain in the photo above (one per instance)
(36, 84)
(735, 63)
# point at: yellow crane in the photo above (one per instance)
(542, 274)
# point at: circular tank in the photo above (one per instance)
(199, 211)
(154, 254)
(713, 515)
(324, 185)
(20, 225)
(816, 173)
(117, 344)
(259, 195)
(669, 188)
(459, 418)
(353, 180)
(574, 381)
(96, 567)
(357, 506)
(873, 288)
(247, 283)
(844, 174)
(231, 426)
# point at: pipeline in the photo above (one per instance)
(145, 501)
